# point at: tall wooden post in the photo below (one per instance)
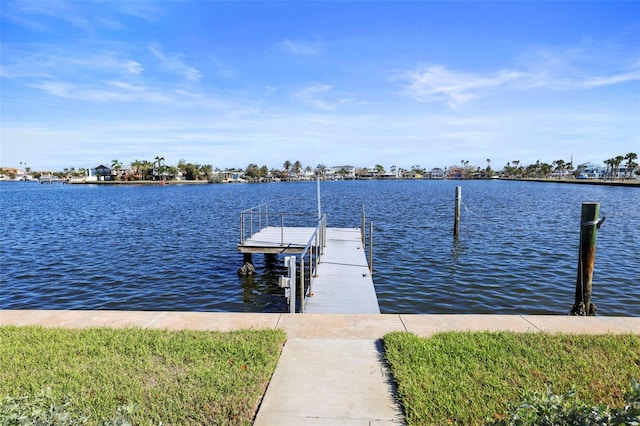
(589, 224)
(456, 223)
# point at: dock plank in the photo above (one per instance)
(344, 284)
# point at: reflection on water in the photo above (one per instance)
(174, 247)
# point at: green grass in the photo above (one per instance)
(170, 377)
(467, 378)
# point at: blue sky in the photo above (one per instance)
(362, 83)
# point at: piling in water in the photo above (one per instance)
(247, 267)
(456, 222)
(589, 224)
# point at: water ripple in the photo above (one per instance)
(174, 247)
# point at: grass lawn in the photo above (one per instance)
(173, 377)
(467, 378)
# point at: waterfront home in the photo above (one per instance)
(435, 173)
(102, 173)
(591, 171)
(343, 172)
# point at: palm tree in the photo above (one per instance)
(159, 160)
(136, 165)
(630, 163)
(206, 170)
(608, 163)
(559, 166)
(115, 165)
(617, 162)
(545, 169)
(297, 166)
(320, 169)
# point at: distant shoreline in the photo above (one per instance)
(627, 183)
(139, 182)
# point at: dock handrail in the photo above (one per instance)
(256, 218)
(261, 213)
(315, 249)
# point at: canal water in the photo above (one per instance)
(173, 247)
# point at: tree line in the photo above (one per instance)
(562, 168)
(157, 169)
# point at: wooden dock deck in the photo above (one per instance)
(344, 284)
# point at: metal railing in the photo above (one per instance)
(314, 249)
(306, 271)
(257, 217)
(254, 219)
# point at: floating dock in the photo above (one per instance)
(330, 268)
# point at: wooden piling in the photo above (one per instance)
(456, 223)
(589, 224)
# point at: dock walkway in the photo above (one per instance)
(344, 284)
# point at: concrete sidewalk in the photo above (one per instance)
(331, 370)
(330, 382)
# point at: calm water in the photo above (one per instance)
(174, 247)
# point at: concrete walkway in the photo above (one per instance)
(331, 370)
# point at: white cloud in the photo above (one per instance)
(437, 83)
(124, 92)
(321, 96)
(174, 63)
(301, 48)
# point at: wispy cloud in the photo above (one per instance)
(124, 92)
(43, 61)
(437, 83)
(322, 97)
(589, 64)
(41, 15)
(301, 47)
(174, 63)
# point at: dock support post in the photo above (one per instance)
(282, 229)
(371, 248)
(302, 296)
(456, 223)
(247, 267)
(362, 227)
(319, 205)
(589, 224)
(290, 263)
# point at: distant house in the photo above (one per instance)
(435, 173)
(591, 171)
(344, 172)
(232, 176)
(102, 173)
